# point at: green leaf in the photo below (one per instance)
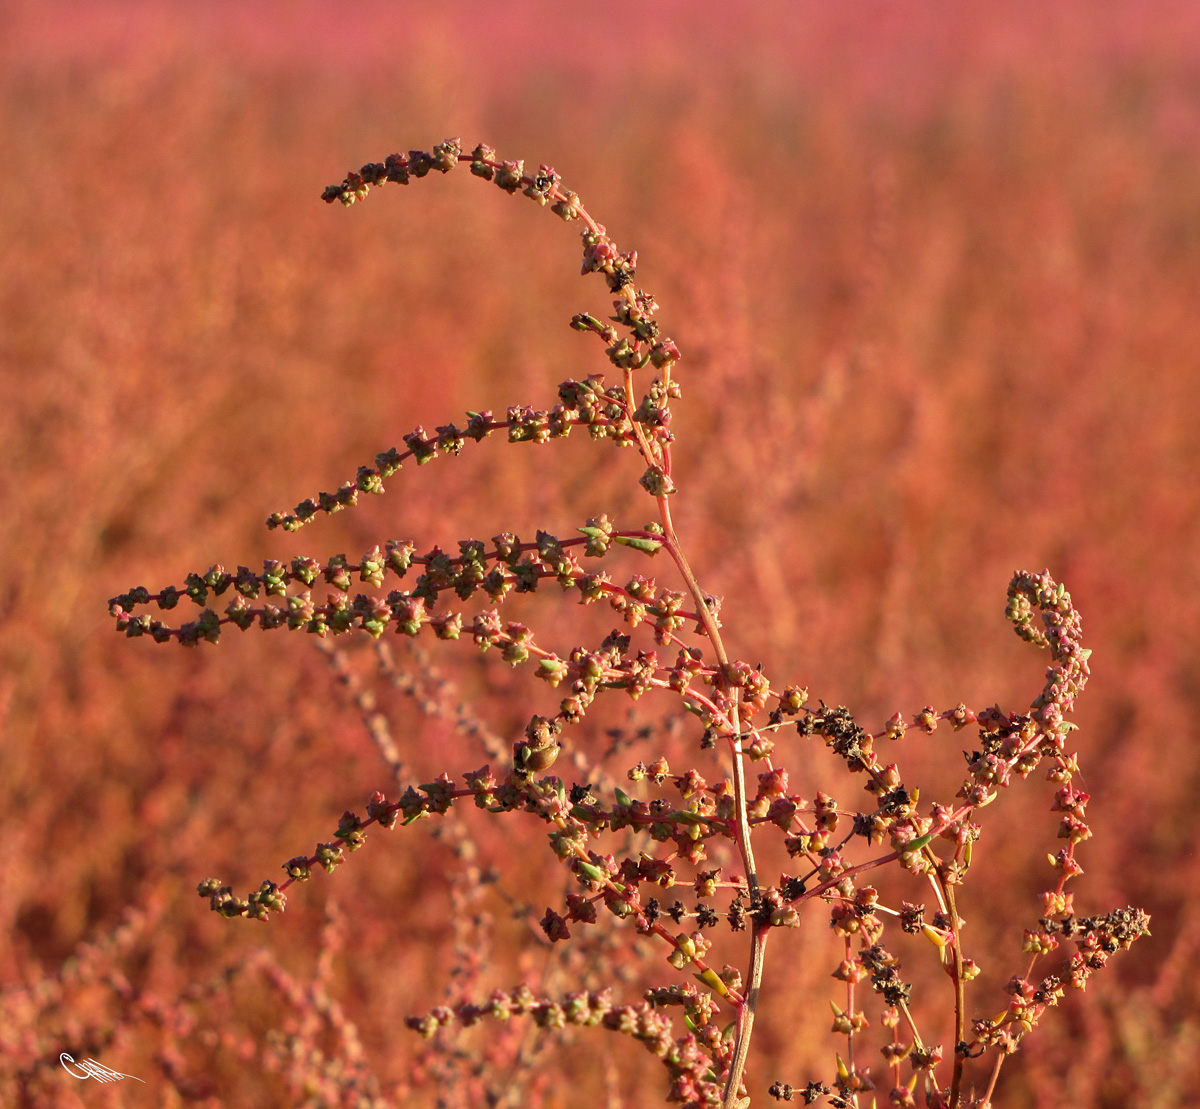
(646, 546)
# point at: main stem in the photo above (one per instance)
(758, 934)
(959, 997)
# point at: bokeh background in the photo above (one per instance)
(934, 269)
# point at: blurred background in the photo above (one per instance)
(934, 272)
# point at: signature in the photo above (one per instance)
(92, 1069)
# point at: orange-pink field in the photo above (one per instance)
(935, 273)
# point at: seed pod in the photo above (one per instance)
(537, 752)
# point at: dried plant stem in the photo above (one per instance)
(758, 937)
(741, 1049)
(960, 1001)
(992, 1078)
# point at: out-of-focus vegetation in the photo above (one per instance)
(964, 248)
